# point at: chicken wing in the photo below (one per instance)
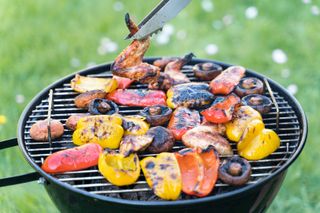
(129, 62)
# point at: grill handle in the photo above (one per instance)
(8, 181)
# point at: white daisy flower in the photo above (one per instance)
(306, 1)
(315, 10)
(212, 49)
(285, 73)
(118, 6)
(279, 56)
(207, 5)
(292, 89)
(251, 12)
(162, 38)
(20, 98)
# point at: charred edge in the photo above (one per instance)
(185, 151)
(187, 58)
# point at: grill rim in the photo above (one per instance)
(105, 67)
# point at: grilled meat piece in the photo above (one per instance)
(172, 73)
(134, 143)
(137, 97)
(162, 63)
(191, 95)
(203, 137)
(182, 120)
(129, 63)
(72, 121)
(39, 130)
(225, 82)
(83, 100)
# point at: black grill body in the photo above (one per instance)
(88, 191)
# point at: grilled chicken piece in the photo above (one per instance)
(225, 82)
(172, 73)
(162, 63)
(134, 143)
(83, 100)
(129, 62)
(203, 137)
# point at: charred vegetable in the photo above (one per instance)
(222, 109)
(119, 170)
(134, 125)
(103, 129)
(191, 95)
(257, 142)
(77, 158)
(163, 175)
(243, 115)
(129, 63)
(206, 71)
(157, 115)
(199, 170)
(137, 97)
(84, 99)
(102, 107)
(205, 136)
(123, 83)
(235, 171)
(134, 143)
(224, 83)
(182, 120)
(249, 85)
(258, 102)
(39, 130)
(84, 84)
(163, 140)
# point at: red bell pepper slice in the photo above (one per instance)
(225, 82)
(222, 109)
(182, 120)
(123, 83)
(137, 97)
(77, 158)
(199, 170)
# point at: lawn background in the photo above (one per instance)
(42, 41)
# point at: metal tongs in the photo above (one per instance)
(156, 19)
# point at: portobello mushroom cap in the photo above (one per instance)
(157, 115)
(163, 140)
(235, 171)
(261, 103)
(101, 106)
(206, 71)
(249, 85)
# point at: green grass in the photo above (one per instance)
(40, 38)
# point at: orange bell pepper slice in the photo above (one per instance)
(199, 170)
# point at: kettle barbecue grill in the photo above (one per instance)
(88, 191)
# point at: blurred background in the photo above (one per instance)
(42, 41)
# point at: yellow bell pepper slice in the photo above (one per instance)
(135, 125)
(243, 115)
(104, 130)
(163, 175)
(119, 170)
(257, 142)
(84, 84)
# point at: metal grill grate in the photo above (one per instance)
(92, 181)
